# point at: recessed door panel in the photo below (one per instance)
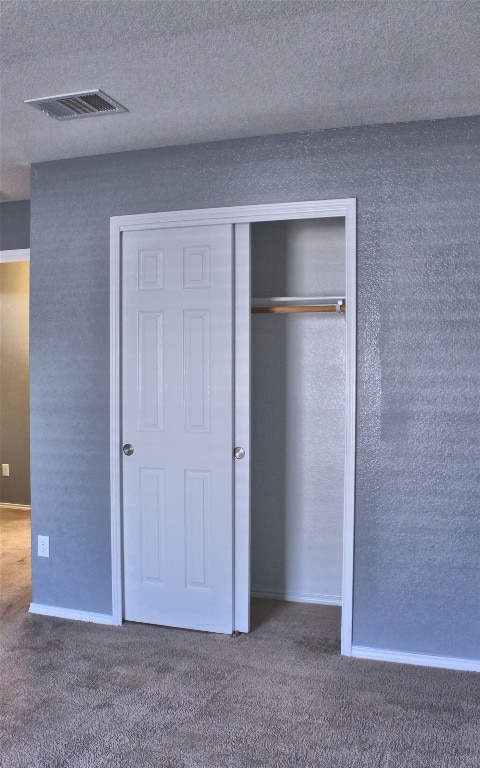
(152, 524)
(196, 364)
(150, 370)
(197, 529)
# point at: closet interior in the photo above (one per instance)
(298, 409)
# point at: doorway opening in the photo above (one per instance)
(15, 529)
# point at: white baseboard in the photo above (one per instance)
(298, 597)
(22, 507)
(418, 659)
(70, 613)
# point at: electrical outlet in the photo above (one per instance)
(44, 546)
(6, 470)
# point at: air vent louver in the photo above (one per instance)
(71, 105)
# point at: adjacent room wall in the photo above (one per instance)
(14, 382)
(14, 225)
(417, 571)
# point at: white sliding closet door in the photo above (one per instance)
(177, 413)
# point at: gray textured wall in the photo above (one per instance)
(298, 413)
(15, 225)
(14, 382)
(417, 570)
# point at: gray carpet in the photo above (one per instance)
(80, 695)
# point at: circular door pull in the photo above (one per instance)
(239, 453)
(127, 449)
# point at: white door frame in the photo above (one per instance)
(238, 215)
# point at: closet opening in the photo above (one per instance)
(298, 421)
(287, 535)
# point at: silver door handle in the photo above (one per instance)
(127, 449)
(239, 453)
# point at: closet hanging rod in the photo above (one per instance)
(298, 308)
(273, 300)
(289, 304)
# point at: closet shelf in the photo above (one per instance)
(287, 304)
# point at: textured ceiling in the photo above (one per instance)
(192, 71)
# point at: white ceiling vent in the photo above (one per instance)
(71, 105)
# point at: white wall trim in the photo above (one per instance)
(247, 214)
(311, 209)
(115, 417)
(18, 254)
(418, 659)
(20, 507)
(350, 425)
(70, 613)
(299, 597)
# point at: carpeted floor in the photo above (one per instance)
(79, 695)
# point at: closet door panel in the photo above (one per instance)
(177, 413)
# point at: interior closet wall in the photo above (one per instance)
(298, 413)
